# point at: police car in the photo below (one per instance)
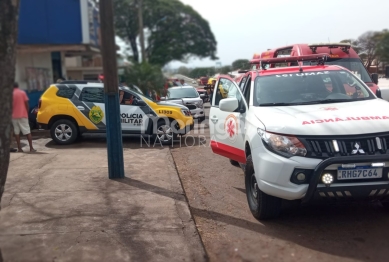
(302, 133)
(71, 108)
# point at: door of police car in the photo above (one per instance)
(133, 113)
(227, 128)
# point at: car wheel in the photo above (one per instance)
(234, 163)
(262, 206)
(165, 132)
(64, 132)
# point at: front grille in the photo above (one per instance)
(324, 147)
(190, 106)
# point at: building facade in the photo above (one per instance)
(53, 31)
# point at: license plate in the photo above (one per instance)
(359, 172)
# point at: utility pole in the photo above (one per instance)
(141, 34)
(111, 92)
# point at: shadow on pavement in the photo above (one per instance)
(299, 224)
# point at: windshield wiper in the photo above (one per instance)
(333, 101)
(276, 104)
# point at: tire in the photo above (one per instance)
(234, 163)
(165, 137)
(69, 132)
(262, 206)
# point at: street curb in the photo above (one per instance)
(190, 210)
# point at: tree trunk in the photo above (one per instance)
(134, 48)
(9, 14)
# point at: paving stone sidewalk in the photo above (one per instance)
(59, 205)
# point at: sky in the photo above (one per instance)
(245, 27)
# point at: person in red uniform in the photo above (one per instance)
(20, 117)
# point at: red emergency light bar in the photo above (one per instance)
(290, 59)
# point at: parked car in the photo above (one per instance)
(189, 97)
(71, 108)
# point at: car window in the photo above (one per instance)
(309, 87)
(130, 99)
(177, 93)
(226, 89)
(66, 91)
(92, 94)
(242, 82)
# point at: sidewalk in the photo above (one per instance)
(59, 205)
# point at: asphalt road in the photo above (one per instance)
(216, 194)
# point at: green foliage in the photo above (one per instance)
(146, 76)
(176, 31)
(225, 69)
(241, 64)
(182, 70)
(202, 71)
(383, 48)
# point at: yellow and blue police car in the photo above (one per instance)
(71, 108)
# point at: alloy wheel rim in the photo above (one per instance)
(164, 133)
(254, 188)
(63, 132)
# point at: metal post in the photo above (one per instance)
(111, 92)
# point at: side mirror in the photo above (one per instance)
(202, 95)
(228, 104)
(374, 77)
(378, 93)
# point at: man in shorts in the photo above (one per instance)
(20, 117)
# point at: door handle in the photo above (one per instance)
(81, 108)
(214, 119)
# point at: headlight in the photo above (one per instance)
(284, 145)
(186, 112)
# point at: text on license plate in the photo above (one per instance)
(360, 172)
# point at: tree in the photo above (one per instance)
(202, 71)
(174, 31)
(9, 14)
(225, 69)
(146, 76)
(182, 70)
(383, 48)
(241, 64)
(368, 44)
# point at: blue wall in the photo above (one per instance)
(50, 22)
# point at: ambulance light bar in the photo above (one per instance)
(290, 59)
(344, 46)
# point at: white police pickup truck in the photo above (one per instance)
(302, 133)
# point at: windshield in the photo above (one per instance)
(353, 64)
(309, 88)
(177, 93)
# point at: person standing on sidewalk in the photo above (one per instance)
(20, 117)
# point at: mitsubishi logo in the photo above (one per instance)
(357, 149)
